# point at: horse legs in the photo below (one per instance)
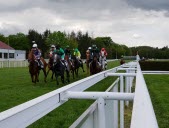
(87, 67)
(32, 77)
(73, 71)
(82, 67)
(47, 72)
(52, 74)
(67, 75)
(56, 75)
(76, 72)
(45, 75)
(36, 78)
(62, 79)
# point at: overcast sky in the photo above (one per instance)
(129, 22)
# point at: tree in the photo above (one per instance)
(19, 42)
(3, 39)
(62, 39)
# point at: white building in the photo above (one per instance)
(7, 52)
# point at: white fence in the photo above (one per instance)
(13, 63)
(103, 113)
(23, 63)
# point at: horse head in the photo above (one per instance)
(31, 56)
(94, 66)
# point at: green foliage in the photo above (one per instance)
(3, 39)
(154, 65)
(19, 41)
(61, 39)
(150, 52)
(103, 42)
(82, 41)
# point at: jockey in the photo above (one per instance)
(77, 55)
(103, 53)
(68, 53)
(95, 52)
(52, 49)
(37, 54)
(52, 55)
(88, 51)
(60, 52)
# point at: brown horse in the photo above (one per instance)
(122, 61)
(94, 66)
(77, 65)
(70, 66)
(59, 69)
(34, 69)
(50, 67)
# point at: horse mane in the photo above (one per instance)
(31, 56)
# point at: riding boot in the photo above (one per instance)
(80, 61)
(71, 63)
(37, 61)
(65, 63)
(40, 63)
(99, 63)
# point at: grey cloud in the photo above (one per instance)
(119, 19)
(150, 4)
(166, 14)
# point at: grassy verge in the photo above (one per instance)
(158, 86)
(16, 88)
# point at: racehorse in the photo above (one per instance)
(77, 64)
(70, 66)
(50, 67)
(103, 61)
(59, 69)
(34, 69)
(122, 61)
(94, 66)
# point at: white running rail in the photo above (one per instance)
(101, 114)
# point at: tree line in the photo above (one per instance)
(81, 41)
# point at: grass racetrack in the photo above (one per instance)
(16, 88)
(158, 86)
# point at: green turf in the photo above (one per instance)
(158, 86)
(16, 88)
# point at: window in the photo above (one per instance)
(5, 55)
(11, 55)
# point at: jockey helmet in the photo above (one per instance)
(58, 46)
(89, 48)
(87, 51)
(76, 50)
(103, 49)
(52, 46)
(33, 42)
(94, 46)
(34, 45)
